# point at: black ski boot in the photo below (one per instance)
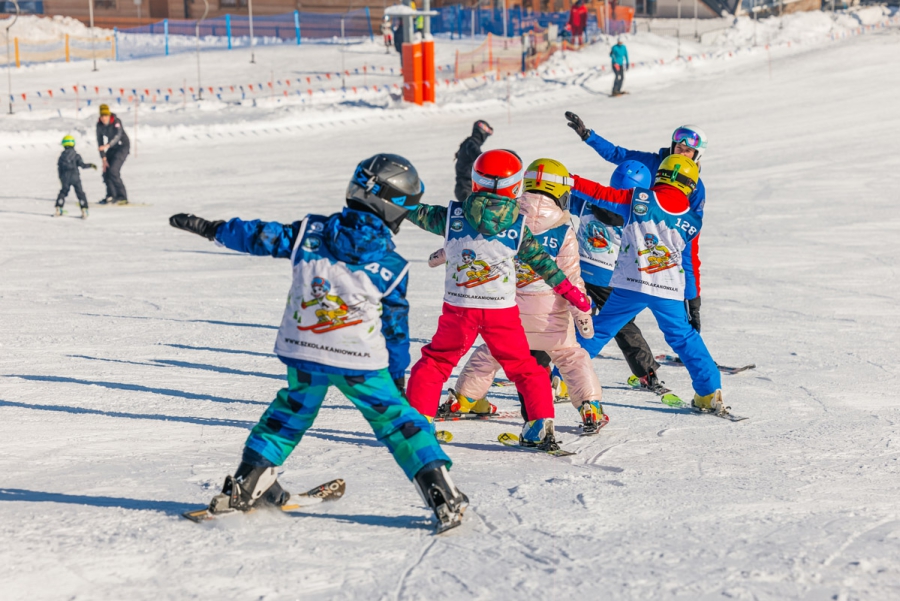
(248, 487)
(442, 496)
(651, 382)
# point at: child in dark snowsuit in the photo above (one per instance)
(345, 325)
(67, 167)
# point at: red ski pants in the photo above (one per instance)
(502, 331)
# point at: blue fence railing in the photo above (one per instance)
(233, 31)
(458, 20)
(26, 7)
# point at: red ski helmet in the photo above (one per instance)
(499, 172)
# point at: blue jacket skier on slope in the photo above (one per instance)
(619, 55)
(687, 140)
(346, 325)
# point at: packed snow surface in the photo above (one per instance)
(136, 357)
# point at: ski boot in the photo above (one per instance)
(249, 485)
(84, 213)
(711, 403)
(592, 417)
(441, 495)
(122, 202)
(460, 403)
(107, 201)
(649, 382)
(58, 212)
(560, 390)
(538, 433)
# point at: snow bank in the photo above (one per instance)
(36, 28)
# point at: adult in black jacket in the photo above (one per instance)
(468, 151)
(112, 141)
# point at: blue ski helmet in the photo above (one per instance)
(651, 240)
(468, 253)
(631, 174)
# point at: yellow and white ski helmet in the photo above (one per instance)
(679, 171)
(550, 177)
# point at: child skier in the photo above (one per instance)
(345, 324)
(69, 177)
(599, 237)
(546, 318)
(488, 227)
(659, 225)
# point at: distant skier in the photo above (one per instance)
(619, 55)
(687, 140)
(469, 150)
(113, 144)
(69, 177)
(659, 223)
(489, 225)
(387, 34)
(578, 18)
(550, 323)
(343, 262)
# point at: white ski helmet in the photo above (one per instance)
(692, 136)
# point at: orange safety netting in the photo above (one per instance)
(615, 21)
(63, 49)
(496, 55)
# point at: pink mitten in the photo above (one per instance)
(575, 296)
(438, 257)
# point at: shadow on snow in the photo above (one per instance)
(34, 496)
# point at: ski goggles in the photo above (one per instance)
(483, 126)
(496, 183)
(688, 137)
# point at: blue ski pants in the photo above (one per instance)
(672, 317)
(408, 435)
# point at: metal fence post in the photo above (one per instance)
(297, 25)
(166, 34)
(116, 40)
(369, 21)
(228, 29)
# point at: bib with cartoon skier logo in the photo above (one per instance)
(333, 312)
(480, 269)
(598, 243)
(527, 281)
(652, 242)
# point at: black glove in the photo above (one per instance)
(693, 309)
(400, 383)
(577, 124)
(195, 225)
(92, 166)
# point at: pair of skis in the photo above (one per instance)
(330, 491)
(667, 397)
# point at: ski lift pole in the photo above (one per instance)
(250, 15)
(197, 31)
(8, 64)
(93, 51)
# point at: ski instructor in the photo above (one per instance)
(687, 140)
(113, 144)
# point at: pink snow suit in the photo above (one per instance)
(546, 317)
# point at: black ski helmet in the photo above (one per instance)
(386, 185)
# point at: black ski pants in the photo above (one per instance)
(112, 177)
(68, 183)
(630, 340)
(619, 71)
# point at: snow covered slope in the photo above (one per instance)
(135, 358)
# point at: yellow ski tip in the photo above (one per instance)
(443, 436)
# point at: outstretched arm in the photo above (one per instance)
(431, 218)
(395, 328)
(616, 154)
(611, 199)
(254, 237)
